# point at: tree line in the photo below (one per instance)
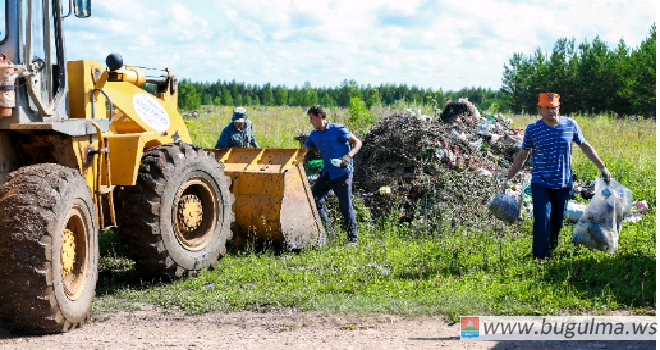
(590, 77)
(232, 93)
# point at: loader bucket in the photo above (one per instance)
(272, 198)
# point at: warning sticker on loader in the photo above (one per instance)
(151, 112)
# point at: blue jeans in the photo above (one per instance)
(549, 206)
(342, 188)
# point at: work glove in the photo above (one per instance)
(606, 175)
(345, 161)
(504, 186)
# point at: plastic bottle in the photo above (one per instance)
(526, 182)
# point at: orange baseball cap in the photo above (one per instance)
(548, 100)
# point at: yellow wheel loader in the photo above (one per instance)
(81, 141)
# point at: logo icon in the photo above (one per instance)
(469, 327)
(551, 97)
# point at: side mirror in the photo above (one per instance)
(82, 8)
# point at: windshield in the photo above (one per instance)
(3, 20)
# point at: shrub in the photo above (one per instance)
(359, 116)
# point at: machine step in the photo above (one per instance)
(105, 189)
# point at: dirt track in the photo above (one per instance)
(153, 329)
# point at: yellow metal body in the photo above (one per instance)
(130, 132)
(140, 121)
(273, 200)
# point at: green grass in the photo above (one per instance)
(402, 269)
(273, 127)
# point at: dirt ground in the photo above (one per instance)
(154, 329)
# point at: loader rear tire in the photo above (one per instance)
(176, 219)
(48, 249)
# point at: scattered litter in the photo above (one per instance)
(574, 211)
(640, 206)
(484, 172)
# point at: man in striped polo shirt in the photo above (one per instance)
(551, 139)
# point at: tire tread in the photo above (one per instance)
(28, 206)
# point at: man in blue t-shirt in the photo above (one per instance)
(337, 146)
(551, 139)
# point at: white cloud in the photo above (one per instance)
(374, 71)
(231, 14)
(438, 45)
(145, 40)
(224, 54)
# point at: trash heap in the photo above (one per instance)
(449, 169)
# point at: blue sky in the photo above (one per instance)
(433, 44)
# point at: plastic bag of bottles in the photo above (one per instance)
(505, 207)
(600, 225)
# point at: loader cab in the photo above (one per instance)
(32, 39)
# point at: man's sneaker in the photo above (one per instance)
(351, 243)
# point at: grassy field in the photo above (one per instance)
(402, 270)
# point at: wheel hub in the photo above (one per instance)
(68, 251)
(194, 213)
(74, 253)
(190, 212)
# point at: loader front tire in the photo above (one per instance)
(176, 219)
(48, 249)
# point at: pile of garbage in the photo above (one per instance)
(427, 166)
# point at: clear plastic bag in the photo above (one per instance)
(600, 225)
(574, 211)
(505, 207)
